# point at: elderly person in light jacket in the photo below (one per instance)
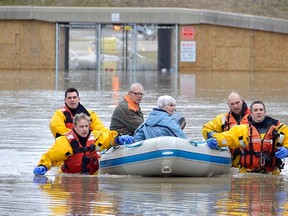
(160, 121)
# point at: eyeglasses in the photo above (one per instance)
(173, 105)
(138, 93)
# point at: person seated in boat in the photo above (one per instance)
(62, 119)
(160, 121)
(263, 141)
(179, 118)
(238, 114)
(127, 115)
(78, 148)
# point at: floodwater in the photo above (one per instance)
(29, 99)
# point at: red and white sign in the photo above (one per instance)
(188, 33)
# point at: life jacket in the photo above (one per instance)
(228, 121)
(84, 159)
(69, 115)
(259, 155)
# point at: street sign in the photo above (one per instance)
(188, 33)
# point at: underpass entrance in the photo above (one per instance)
(125, 48)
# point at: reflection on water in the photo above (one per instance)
(123, 195)
(29, 99)
(257, 194)
(131, 195)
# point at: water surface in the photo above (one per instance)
(29, 99)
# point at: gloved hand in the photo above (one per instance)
(124, 139)
(209, 135)
(281, 153)
(212, 143)
(40, 170)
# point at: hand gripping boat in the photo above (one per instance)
(166, 156)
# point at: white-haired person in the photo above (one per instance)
(160, 121)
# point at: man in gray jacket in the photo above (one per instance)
(127, 116)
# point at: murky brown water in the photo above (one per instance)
(29, 99)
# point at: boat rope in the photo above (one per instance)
(204, 142)
(133, 145)
(197, 143)
(137, 144)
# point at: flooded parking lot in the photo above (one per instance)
(29, 99)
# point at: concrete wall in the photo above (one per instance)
(227, 48)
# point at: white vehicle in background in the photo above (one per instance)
(89, 61)
(149, 33)
(73, 60)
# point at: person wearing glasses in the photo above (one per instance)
(160, 121)
(127, 115)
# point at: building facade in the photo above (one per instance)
(31, 39)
